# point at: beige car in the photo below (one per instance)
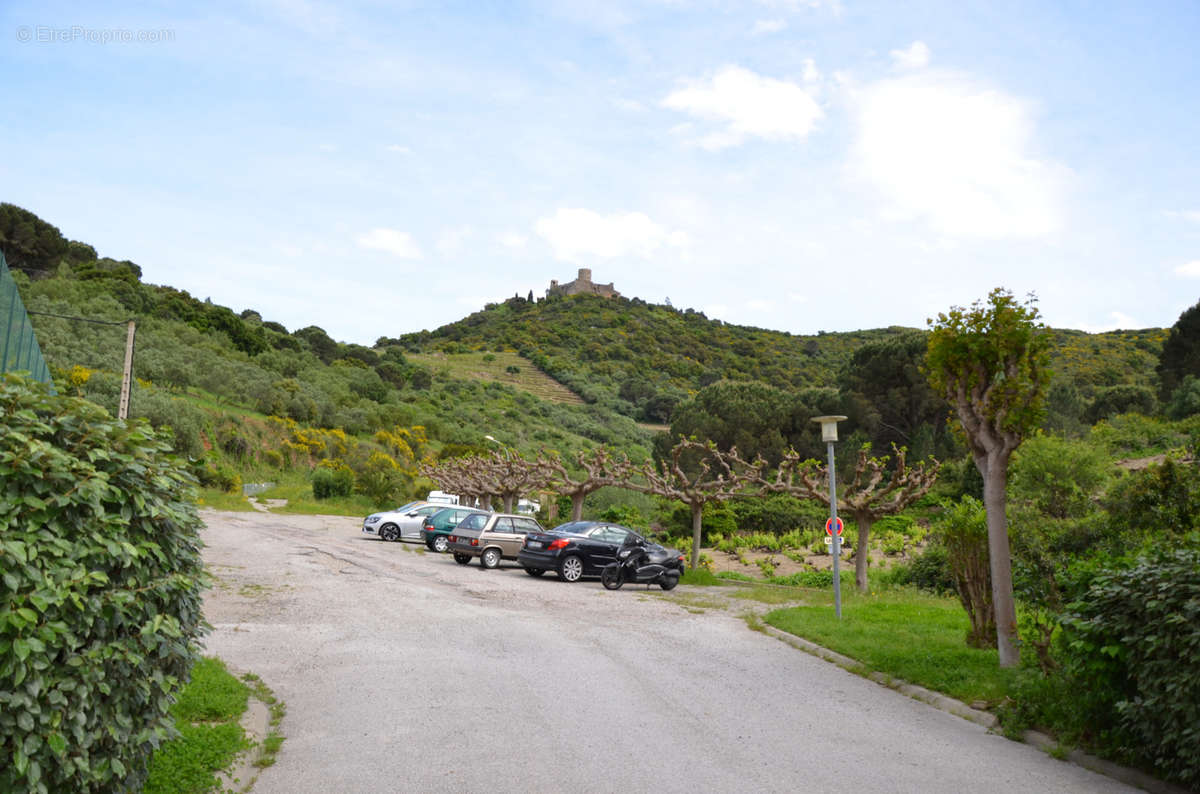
(491, 537)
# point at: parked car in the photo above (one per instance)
(580, 548)
(437, 527)
(491, 537)
(403, 523)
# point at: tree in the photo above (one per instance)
(889, 397)
(867, 497)
(698, 474)
(747, 415)
(1180, 354)
(600, 469)
(990, 363)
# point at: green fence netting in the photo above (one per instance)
(19, 351)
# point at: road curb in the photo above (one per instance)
(1132, 777)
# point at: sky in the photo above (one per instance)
(376, 168)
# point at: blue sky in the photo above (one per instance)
(376, 167)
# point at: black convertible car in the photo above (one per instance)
(581, 548)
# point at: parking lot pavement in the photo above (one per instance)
(403, 671)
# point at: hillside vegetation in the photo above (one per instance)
(642, 360)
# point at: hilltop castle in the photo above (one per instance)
(583, 285)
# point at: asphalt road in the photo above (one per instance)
(405, 672)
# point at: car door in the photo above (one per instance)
(504, 535)
(604, 543)
(410, 525)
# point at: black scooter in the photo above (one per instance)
(640, 565)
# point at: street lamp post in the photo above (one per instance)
(829, 436)
(502, 445)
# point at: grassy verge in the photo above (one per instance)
(296, 488)
(905, 634)
(221, 500)
(207, 714)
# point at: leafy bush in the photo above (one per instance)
(930, 570)
(215, 474)
(962, 530)
(100, 602)
(332, 478)
(1132, 646)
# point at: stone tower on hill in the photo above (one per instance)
(583, 285)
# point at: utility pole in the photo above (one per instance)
(127, 374)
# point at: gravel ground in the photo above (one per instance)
(403, 671)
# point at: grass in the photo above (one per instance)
(296, 488)
(905, 634)
(206, 715)
(492, 367)
(221, 500)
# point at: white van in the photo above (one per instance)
(441, 497)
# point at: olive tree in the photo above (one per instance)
(990, 363)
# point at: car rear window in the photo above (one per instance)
(473, 521)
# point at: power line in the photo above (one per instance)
(81, 319)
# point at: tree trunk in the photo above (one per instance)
(994, 469)
(552, 510)
(508, 503)
(577, 505)
(697, 514)
(863, 520)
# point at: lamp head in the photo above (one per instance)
(829, 426)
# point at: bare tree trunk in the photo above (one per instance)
(995, 497)
(552, 511)
(508, 502)
(697, 514)
(577, 506)
(863, 520)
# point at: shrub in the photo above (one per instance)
(1132, 645)
(817, 579)
(100, 602)
(332, 478)
(963, 531)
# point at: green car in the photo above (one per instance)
(438, 526)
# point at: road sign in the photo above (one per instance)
(831, 524)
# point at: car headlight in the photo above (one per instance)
(372, 519)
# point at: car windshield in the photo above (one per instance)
(405, 507)
(443, 513)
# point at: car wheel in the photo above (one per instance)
(571, 568)
(535, 571)
(440, 544)
(389, 532)
(462, 559)
(490, 558)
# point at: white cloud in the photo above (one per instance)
(579, 234)
(716, 310)
(768, 26)
(1183, 215)
(759, 305)
(811, 75)
(513, 240)
(631, 105)
(328, 147)
(942, 148)
(915, 57)
(1189, 269)
(398, 149)
(397, 243)
(753, 106)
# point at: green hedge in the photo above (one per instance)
(100, 596)
(1132, 649)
